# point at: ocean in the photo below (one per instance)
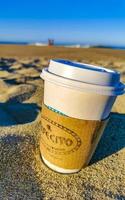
(62, 44)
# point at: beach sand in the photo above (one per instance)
(22, 172)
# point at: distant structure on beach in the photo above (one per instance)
(39, 44)
(50, 42)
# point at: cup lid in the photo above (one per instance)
(84, 72)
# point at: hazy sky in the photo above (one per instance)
(85, 21)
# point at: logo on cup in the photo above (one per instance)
(58, 139)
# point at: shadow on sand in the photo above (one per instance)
(5, 64)
(14, 113)
(113, 138)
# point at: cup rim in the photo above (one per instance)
(119, 89)
(88, 73)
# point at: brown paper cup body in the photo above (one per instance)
(67, 142)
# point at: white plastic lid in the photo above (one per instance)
(84, 72)
(84, 77)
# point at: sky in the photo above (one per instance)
(100, 22)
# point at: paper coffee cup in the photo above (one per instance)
(85, 95)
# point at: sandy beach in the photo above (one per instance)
(22, 172)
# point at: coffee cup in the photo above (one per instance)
(78, 98)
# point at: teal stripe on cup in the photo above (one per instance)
(54, 110)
